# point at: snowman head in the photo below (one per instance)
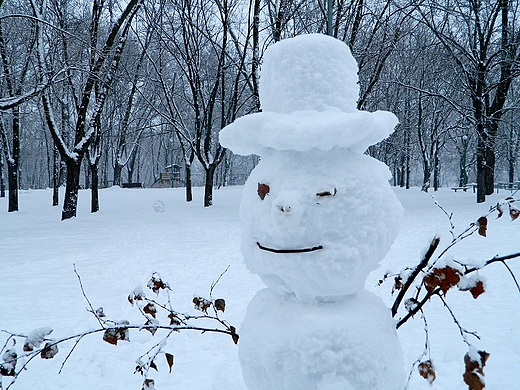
(316, 223)
(317, 214)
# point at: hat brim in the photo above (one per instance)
(305, 130)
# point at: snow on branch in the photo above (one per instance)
(11, 102)
(434, 276)
(158, 315)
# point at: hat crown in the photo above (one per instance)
(311, 72)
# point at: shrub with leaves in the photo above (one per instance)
(435, 276)
(158, 315)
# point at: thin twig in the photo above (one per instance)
(512, 274)
(70, 353)
(463, 332)
(450, 217)
(11, 336)
(216, 282)
(425, 351)
(86, 298)
(494, 260)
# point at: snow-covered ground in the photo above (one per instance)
(119, 248)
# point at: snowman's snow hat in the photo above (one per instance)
(308, 93)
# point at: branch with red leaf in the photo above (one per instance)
(434, 277)
(158, 316)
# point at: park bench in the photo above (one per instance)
(132, 185)
(459, 188)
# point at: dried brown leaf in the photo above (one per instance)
(444, 278)
(174, 319)
(6, 369)
(148, 384)
(150, 309)
(473, 381)
(482, 226)
(398, 284)
(220, 304)
(151, 326)
(49, 351)
(113, 335)
(170, 359)
(156, 284)
(136, 295)
(431, 282)
(427, 371)
(234, 334)
(263, 190)
(477, 290)
(474, 374)
(202, 304)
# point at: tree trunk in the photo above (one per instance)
(481, 185)
(12, 180)
(71, 189)
(87, 177)
(407, 163)
(118, 168)
(130, 167)
(255, 64)
(436, 170)
(189, 191)
(402, 178)
(56, 176)
(13, 165)
(463, 176)
(208, 187)
(426, 176)
(395, 175)
(2, 183)
(512, 153)
(489, 170)
(94, 189)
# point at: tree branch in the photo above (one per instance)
(409, 281)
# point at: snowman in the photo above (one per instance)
(317, 216)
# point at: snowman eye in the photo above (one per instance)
(263, 190)
(327, 193)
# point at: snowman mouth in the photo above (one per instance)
(303, 250)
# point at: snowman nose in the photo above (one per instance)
(284, 208)
(286, 203)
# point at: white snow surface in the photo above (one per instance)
(308, 92)
(121, 246)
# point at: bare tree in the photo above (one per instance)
(201, 73)
(13, 83)
(103, 62)
(483, 39)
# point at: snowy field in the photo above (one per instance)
(119, 248)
